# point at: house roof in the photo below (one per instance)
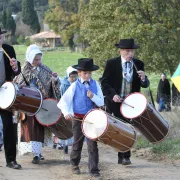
(45, 35)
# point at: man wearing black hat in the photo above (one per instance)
(122, 76)
(9, 68)
(82, 96)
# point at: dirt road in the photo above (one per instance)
(56, 167)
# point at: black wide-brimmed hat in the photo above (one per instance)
(2, 32)
(86, 64)
(127, 44)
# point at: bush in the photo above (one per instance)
(27, 42)
(20, 40)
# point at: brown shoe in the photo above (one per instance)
(75, 170)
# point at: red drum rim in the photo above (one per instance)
(96, 109)
(121, 111)
(15, 94)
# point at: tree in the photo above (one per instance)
(10, 23)
(4, 19)
(29, 15)
(153, 23)
(64, 18)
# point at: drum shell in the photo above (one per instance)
(117, 134)
(28, 100)
(62, 128)
(51, 117)
(144, 117)
(152, 125)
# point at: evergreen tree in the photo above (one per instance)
(10, 23)
(4, 19)
(29, 15)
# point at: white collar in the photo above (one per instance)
(123, 60)
(82, 80)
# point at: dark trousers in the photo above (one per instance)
(9, 135)
(115, 109)
(75, 156)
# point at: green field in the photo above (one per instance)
(58, 61)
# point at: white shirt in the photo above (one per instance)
(66, 101)
(124, 61)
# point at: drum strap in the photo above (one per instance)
(27, 84)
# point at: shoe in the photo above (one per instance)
(65, 149)
(61, 147)
(13, 165)
(75, 170)
(54, 146)
(36, 160)
(96, 176)
(119, 161)
(126, 161)
(41, 157)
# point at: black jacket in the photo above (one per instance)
(112, 82)
(112, 78)
(10, 74)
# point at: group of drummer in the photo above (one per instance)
(118, 80)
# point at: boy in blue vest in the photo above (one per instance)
(82, 96)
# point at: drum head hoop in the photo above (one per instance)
(7, 95)
(133, 105)
(94, 124)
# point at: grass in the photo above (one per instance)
(57, 60)
(170, 147)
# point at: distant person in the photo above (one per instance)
(175, 96)
(163, 94)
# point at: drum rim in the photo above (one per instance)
(14, 96)
(39, 105)
(127, 97)
(45, 125)
(84, 120)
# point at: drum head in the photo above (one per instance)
(95, 124)
(133, 105)
(7, 95)
(49, 113)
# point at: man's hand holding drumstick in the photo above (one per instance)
(117, 99)
(13, 63)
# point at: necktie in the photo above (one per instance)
(127, 68)
(86, 82)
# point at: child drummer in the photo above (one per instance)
(82, 96)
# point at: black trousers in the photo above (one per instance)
(9, 135)
(115, 109)
(75, 156)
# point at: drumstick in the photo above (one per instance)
(6, 53)
(128, 105)
(82, 120)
